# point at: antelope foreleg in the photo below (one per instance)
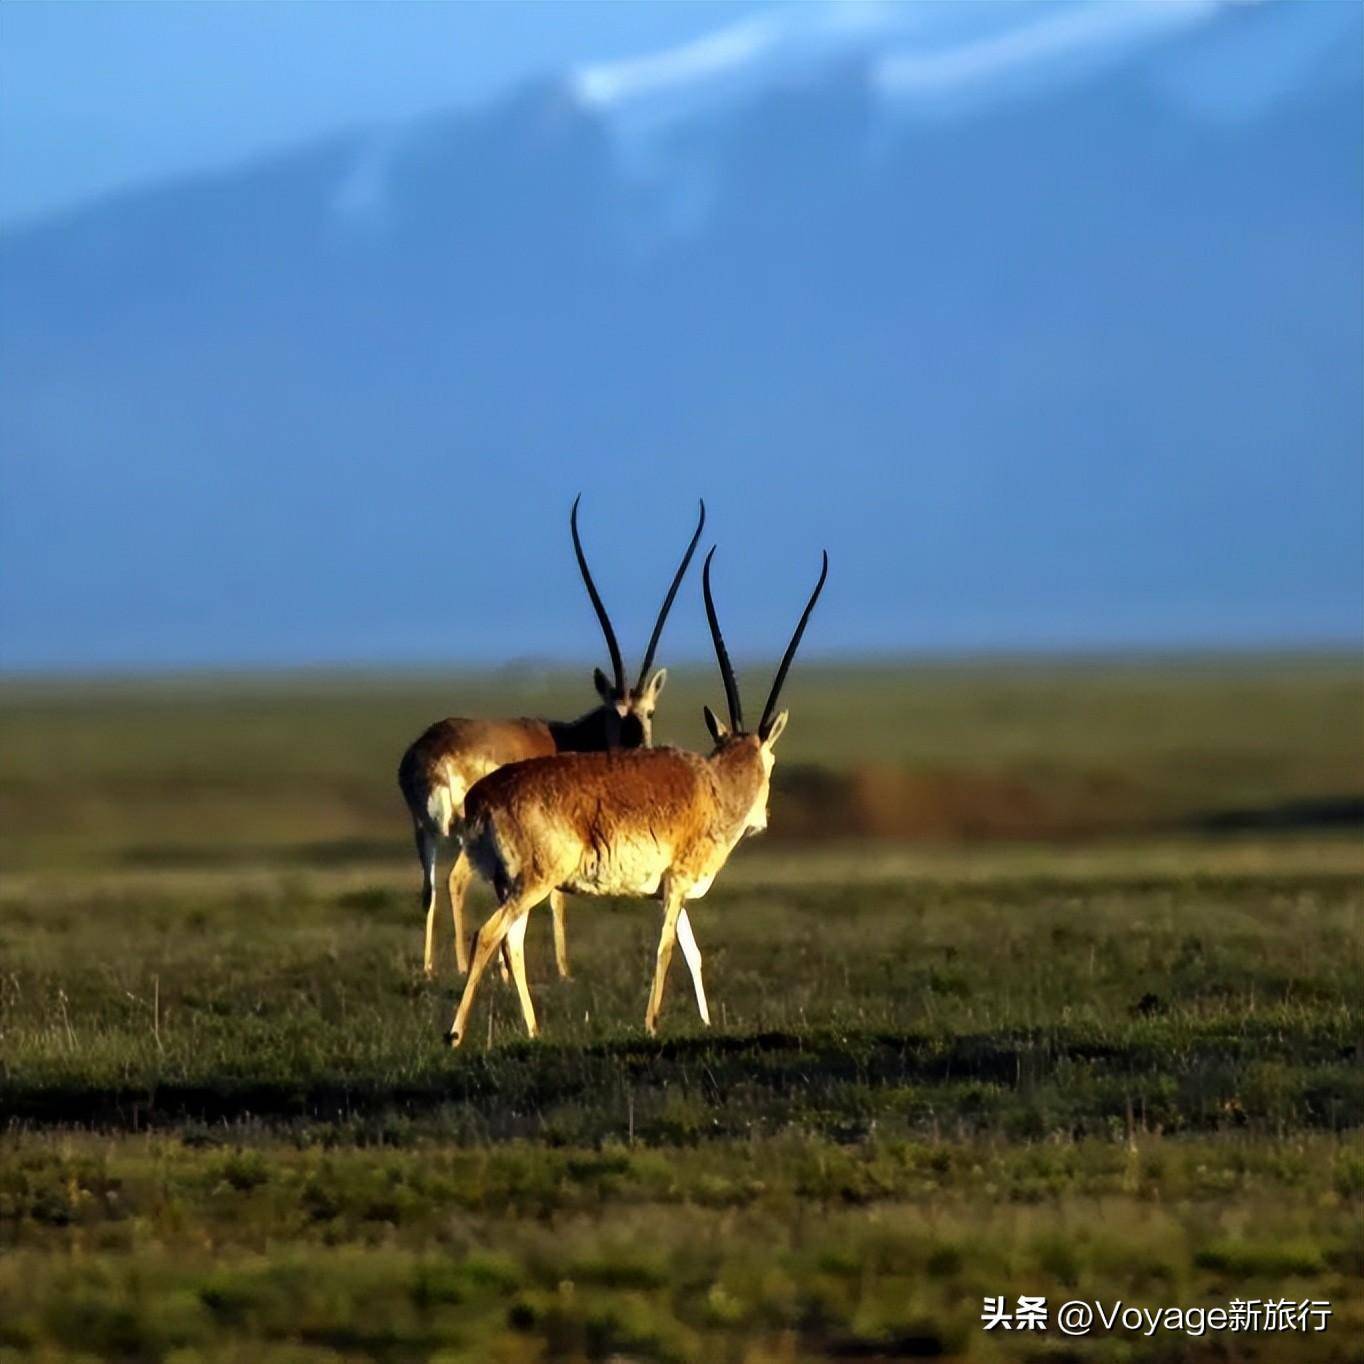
(556, 908)
(514, 945)
(687, 941)
(672, 905)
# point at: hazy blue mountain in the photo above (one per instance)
(1070, 360)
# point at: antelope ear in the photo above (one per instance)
(655, 684)
(718, 729)
(603, 686)
(775, 728)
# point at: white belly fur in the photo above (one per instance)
(625, 868)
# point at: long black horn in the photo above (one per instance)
(791, 651)
(668, 600)
(736, 714)
(617, 666)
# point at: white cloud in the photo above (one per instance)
(1079, 27)
(716, 54)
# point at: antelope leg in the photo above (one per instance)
(426, 851)
(556, 908)
(672, 905)
(686, 939)
(490, 937)
(460, 876)
(515, 945)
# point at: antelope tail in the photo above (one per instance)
(484, 850)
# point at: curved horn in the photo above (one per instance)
(791, 651)
(668, 600)
(736, 714)
(617, 666)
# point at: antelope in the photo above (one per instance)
(648, 823)
(438, 769)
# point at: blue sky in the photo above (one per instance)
(98, 96)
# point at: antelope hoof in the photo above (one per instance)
(453, 1038)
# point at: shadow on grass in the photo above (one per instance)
(730, 1084)
(1293, 816)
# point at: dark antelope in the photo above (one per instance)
(660, 823)
(439, 768)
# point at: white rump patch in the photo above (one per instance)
(440, 808)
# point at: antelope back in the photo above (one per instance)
(616, 822)
(462, 751)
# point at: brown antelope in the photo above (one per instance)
(657, 823)
(440, 767)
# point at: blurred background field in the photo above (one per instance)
(301, 769)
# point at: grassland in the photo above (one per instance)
(1114, 1057)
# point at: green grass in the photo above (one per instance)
(755, 1249)
(1115, 1069)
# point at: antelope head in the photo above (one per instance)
(734, 744)
(632, 707)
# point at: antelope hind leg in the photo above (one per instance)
(490, 937)
(426, 852)
(461, 873)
